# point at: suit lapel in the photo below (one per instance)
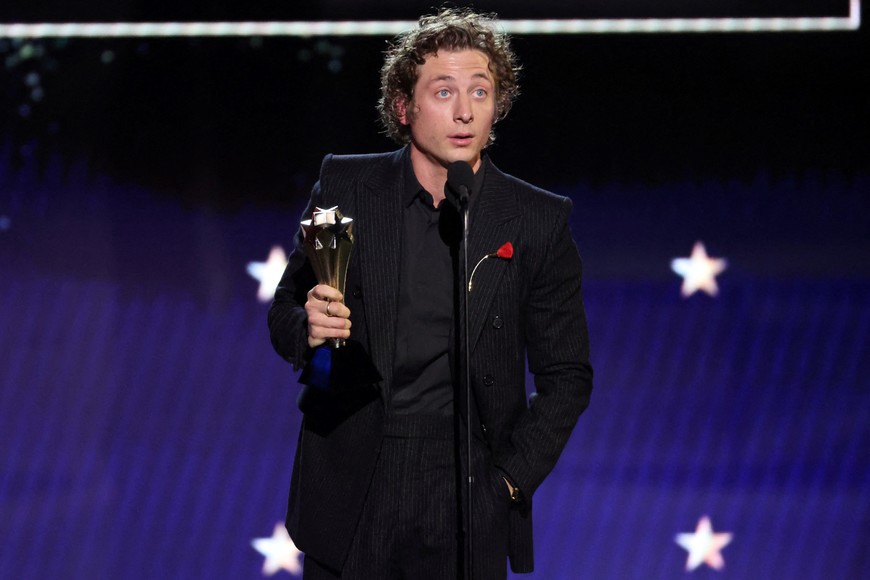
(378, 246)
(492, 223)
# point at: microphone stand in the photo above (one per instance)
(460, 178)
(463, 204)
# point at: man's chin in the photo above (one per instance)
(470, 159)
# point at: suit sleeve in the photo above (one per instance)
(287, 319)
(558, 354)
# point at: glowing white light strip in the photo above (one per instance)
(393, 27)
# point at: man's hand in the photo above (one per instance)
(516, 495)
(327, 315)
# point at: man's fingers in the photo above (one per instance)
(336, 310)
(324, 293)
(319, 331)
(318, 309)
(317, 335)
(328, 317)
(325, 300)
(329, 322)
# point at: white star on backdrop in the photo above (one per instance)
(699, 271)
(280, 552)
(269, 273)
(704, 546)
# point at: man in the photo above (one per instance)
(379, 482)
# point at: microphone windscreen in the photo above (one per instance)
(460, 178)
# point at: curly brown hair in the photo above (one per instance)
(451, 29)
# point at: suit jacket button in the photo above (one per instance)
(488, 380)
(357, 292)
(497, 322)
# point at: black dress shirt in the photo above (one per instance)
(430, 241)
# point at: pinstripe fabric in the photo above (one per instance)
(529, 305)
(410, 526)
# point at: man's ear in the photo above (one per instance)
(402, 110)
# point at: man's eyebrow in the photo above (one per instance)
(479, 75)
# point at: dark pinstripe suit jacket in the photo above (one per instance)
(528, 306)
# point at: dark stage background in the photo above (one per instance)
(147, 429)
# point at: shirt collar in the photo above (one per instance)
(413, 188)
(412, 185)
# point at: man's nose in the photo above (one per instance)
(463, 110)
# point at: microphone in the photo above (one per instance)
(460, 178)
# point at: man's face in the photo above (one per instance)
(453, 109)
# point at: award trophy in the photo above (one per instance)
(340, 363)
(328, 241)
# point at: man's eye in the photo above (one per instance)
(443, 93)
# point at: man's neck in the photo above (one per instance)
(431, 175)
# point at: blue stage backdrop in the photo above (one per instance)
(147, 429)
